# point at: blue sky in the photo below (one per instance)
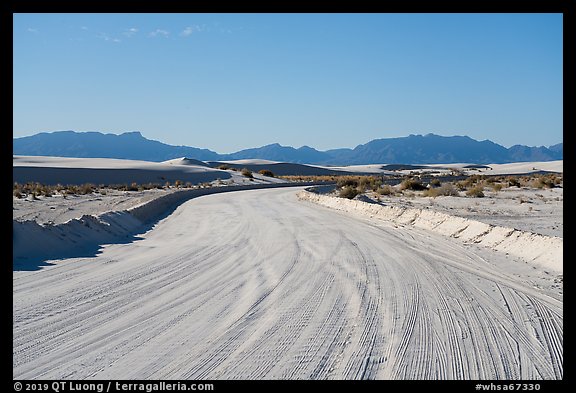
(233, 81)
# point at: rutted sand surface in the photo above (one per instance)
(533, 210)
(540, 250)
(257, 284)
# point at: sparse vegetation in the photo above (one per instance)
(446, 189)
(513, 181)
(435, 183)
(497, 187)
(543, 182)
(348, 192)
(266, 172)
(308, 178)
(412, 184)
(37, 189)
(223, 167)
(386, 189)
(247, 172)
(476, 192)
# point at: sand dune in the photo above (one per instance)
(282, 168)
(185, 161)
(53, 170)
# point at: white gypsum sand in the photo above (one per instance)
(532, 210)
(259, 285)
(541, 250)
(107, 171)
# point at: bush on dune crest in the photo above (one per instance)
(247, 172)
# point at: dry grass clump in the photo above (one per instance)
(386, 189)
(412, 184)
(35, 189)
(435, 183)
(544, 182)
(348, 192)
(447, 189)
(497, 186)
(308, 178)
(266, 172)
(476, 192)
(247, 172)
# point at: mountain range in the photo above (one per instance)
(412, 149)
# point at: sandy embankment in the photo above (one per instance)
(83, 236)
(540, 250)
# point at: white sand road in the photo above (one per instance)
(259, 285)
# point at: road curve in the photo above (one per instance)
(258, 285)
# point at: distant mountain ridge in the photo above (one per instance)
(412, 149)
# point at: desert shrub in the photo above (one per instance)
(547, 181)
(348, 192)
(361, 182)
(17, 193)
(300, 178)
(223, 167)
(347, 181)
(446, 189)
(266, 172)
(435, 183)
(247, 172)
(513, 181)
(431, 192)
(476, 192)
(86, 188)
(412, 184)
(461, 185)
(386, 189)
(497, 186)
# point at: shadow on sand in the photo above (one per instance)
(83, 246)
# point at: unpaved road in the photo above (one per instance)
(258, 285)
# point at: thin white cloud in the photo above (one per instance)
(189, 30)
(83, 27)
(31, 30)
(130, 32)
(106, 37)
(159, 32)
